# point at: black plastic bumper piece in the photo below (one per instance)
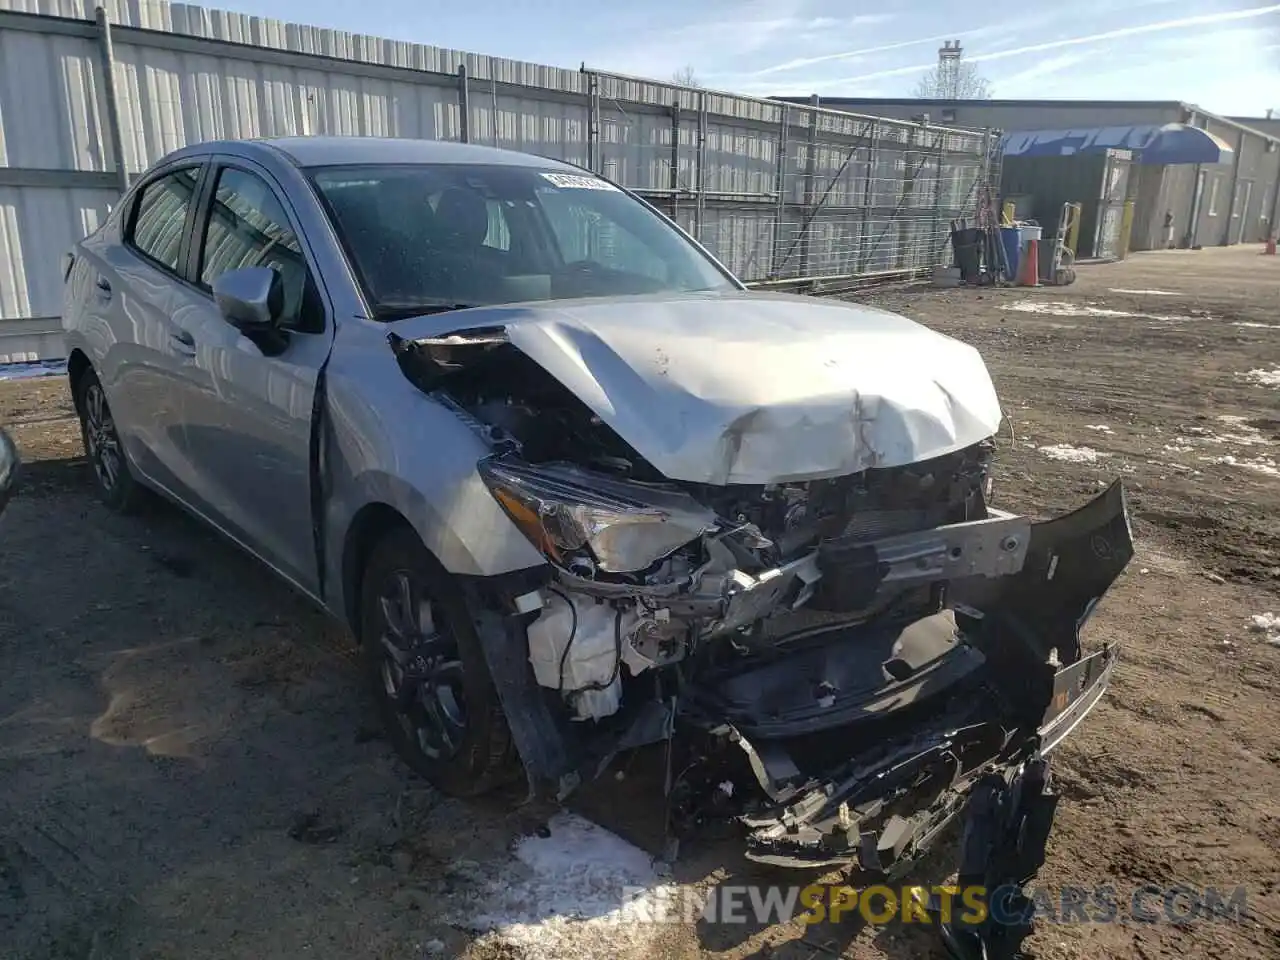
(1006, 831)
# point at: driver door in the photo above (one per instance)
(247, 431)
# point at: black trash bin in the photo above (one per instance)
(967, 247)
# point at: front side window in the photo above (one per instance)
(248, 227)
(444, 236)
(160, 217)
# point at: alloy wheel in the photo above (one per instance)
(421, 671)
(101, 440)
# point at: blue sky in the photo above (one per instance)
(1221, 54)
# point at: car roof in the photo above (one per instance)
(343, 151)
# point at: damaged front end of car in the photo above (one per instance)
(843, 663)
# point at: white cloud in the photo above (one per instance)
(857, 54)
(1180, 23)
(714, 47)
(1012, 85)
(752, 27)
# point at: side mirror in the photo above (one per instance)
(250, 298)
(8, 469)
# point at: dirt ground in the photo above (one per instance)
(188, 767)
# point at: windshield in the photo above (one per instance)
(443, 236)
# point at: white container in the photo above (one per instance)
(590, 632)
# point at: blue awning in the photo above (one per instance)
(1156, 143)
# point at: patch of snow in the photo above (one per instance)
(1100, 427)
(1263, 378)
(1061, 308)
(1263, 465)
(576, 894)
(32, 369)
(1145, 293)
(1245, 435)
(1252, 438)
(1257, 326)
(1070, 454)
(1267, 624)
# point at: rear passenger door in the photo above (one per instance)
(248, 413)
(137, 291)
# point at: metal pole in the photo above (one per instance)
(493, 95)
(912, 162)
(868, 194)
(464, 104)
(593, 121)
(937, 193)
(1197, 200)
(988, 168)
(1275, 207)
(701, 198)
(810, 171)
(780, 186)
(107, 58)
(673, 176)
(1235, 189)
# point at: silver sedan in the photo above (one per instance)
(576, 490)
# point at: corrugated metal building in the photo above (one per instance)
(1227, 202)
(775, 191)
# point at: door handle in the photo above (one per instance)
(183, 343)
(104, 286)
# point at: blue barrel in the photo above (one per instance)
(1011, 240)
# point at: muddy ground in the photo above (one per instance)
(188, 767)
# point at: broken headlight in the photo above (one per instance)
(580, 518)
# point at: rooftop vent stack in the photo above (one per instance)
(949, 70)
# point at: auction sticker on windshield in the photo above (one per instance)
(572, 181)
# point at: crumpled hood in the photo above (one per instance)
(752, 388)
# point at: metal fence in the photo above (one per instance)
(782, 192)
(779, 192)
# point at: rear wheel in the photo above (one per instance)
(115, 485)
(428, 672)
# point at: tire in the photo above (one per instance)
(447, 724)
(114, 483)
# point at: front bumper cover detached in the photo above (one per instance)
(987, 761)
(879, 811)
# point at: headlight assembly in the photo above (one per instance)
(566, 511)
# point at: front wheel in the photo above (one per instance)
(428, 672)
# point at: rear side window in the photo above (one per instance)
(248, 227)
(160, 218)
